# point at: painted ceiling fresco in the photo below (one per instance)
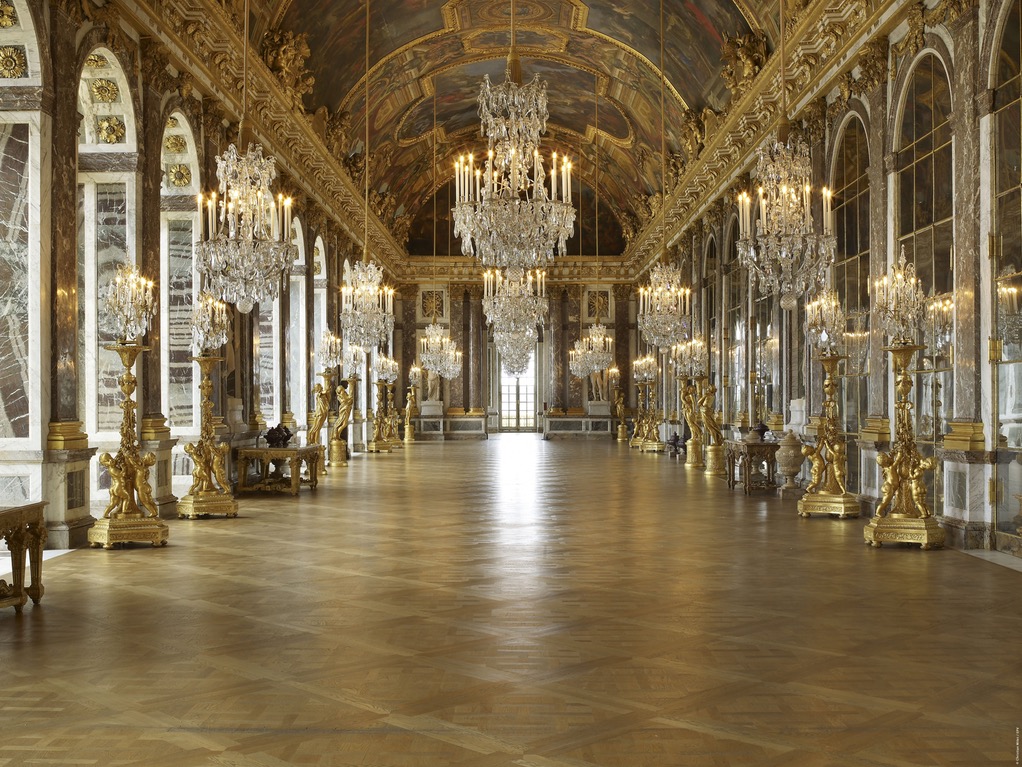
(422, 48)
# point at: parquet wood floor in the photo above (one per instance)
(515, 602)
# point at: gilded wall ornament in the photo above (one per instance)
(105, 91)
(179, 175)
(597, 303)
(743, 57)
(913, 40)
(13, 63)
(8, 15)
(317, 268)
(175, 144)
(96, 61)
(433, 303)
(110, 130)
(172, 123)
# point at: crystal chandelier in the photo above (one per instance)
(689, 358)
(899, 302)
(515, 305)
(785, 253)
(593, 353)
(130, 303)
(367, 305)
(515, 348)
(353, 361)
(506, 211)
(664, 307)
(210, 324)
(439, 353)
(825, 322)
(245, 234)
(940, 325)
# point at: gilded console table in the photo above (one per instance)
(747, 456)
(271, 467)
(23, 529)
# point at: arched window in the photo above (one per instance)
(736, 287)
(1007, 226)
(297, 332)
(925, 185)
(107, 234)
(851, 279)
(178, 280)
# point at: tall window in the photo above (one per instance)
(298, 362)
(925, 184)
(179, 283)
(1007, 142)
(851, 280)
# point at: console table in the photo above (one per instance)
(277, 458)
(747, 456)
(23, 529)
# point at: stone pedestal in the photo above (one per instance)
(431, 408)
(161, 476)
(715, 461)
(338, 452)
(622, 432)
(66, 485)
(694, 453)
(600, 408)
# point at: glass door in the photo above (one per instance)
(518, 400)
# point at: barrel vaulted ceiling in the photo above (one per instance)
(424, 52)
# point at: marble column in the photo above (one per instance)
(456, 388)
(966, 419)
(556, 367)
(475, 353)
(155, 433)
(284, 382)
(574, 388)
(622, 339)
(66, 475)
(879, 172)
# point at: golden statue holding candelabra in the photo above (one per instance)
(412, 403)
(210, 492)
(338, 437)
(903, 514)
(130, 305)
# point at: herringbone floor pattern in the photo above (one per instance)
(515, 602)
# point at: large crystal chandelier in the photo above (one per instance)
(515, 304)
(367, 305)
(515, 348)
(645, 369)
(386, 368)
(506, 212)
(245, 234)
(785, 253)
(664, 307)
(592, 353)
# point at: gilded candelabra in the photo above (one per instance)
(379, 444)
(652, 442)
(210, 492)
(639, 425)
(903, 514)
(827, 492)
(130, 305)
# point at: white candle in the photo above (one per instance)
(553, 177)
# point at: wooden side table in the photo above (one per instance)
(747, 457)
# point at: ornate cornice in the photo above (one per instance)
(205, 40)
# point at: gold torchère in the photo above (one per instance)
(640, 416)
(826, 492)
(210, 492)
(619, 412)
(390, 426)
(903, 515)
(126, 519)
(652, 442)
(322, 417)
(411, 411)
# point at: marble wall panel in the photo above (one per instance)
(111, 233)
(179, 313)
(14, 298)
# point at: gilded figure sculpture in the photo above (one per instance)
(411, 407)
(688, 407)
(344, 407)
(714, 435)
(319, 416)
(619, 405)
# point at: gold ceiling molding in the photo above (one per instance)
(821, 46)
(205, 38)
